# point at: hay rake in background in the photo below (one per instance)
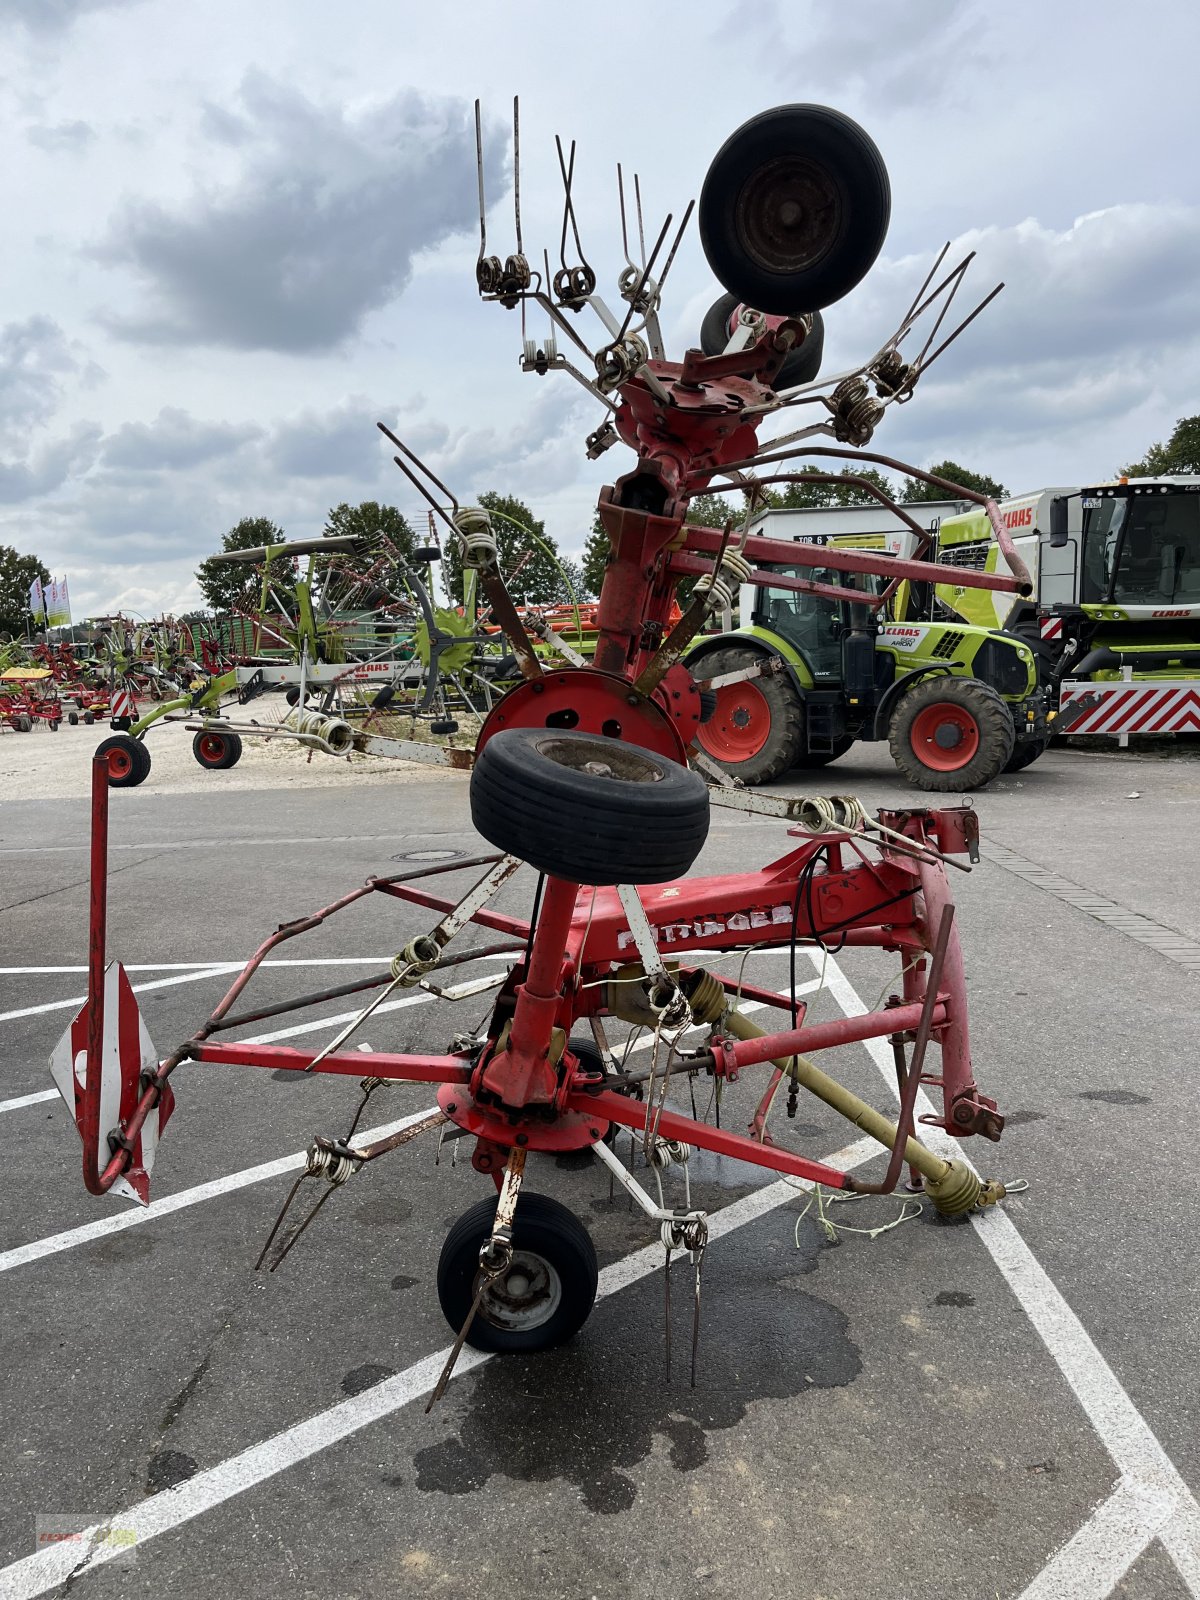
(582, 771)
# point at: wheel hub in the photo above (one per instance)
(526, 1295)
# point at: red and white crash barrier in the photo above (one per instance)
(1125, 708)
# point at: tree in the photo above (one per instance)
(847, 493)
(595, 557)
(518, 534)
(17, 574)
(914, 489)
(372, 522)
(1180, 454)
(232, 586)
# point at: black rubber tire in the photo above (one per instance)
(708, 704)
(992, 718)
(52, 723)
(641, 818)
(801, 366)
(542, 1229)
(443, 725)
(794, 209)
(426, 554)
(784, 745)
(73, 718)
(217, 751)
(22, 723)
(1025, 753)
(383, 697)
(89, 718)
(822, 758)
(130, 758)
(292, 696)
(121, 724)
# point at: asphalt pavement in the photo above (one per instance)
(1000, 1407)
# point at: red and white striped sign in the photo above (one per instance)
(1051, 627)
(123, 703)
(1131, 708)
(126, 1052)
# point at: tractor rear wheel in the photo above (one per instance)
(545, 1294)
(757, 730)
(128, 761)
(950, 734)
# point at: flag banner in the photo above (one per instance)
(35, 598)
(58, 604)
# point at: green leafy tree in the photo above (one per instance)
(1180, 454)
(523, 543)
(17, 573)
(372, 522)
(595, 557)
(234, 585)
(914, 489)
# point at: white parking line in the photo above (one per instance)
(1152, 1486)
(171, 1508)
(1150, 1499)
(218, 970)
(21, 1255)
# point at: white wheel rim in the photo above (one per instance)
(526, 1296)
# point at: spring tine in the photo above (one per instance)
(456, 1348)
(637, 195)
(699, 1258)
(641, 283)
(479, 171)
(568, 173)
(287, 1247)
(416, 460)
(624, 225)
(986, 301)
(292, 1192)
(955, 282)
(687, 217)
(912, 310)
(517, 169)
(667, 1309)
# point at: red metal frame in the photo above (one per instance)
(524, 1086)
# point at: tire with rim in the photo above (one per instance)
(546, 1294)
(1025, 753)
(217, 751)
(89, 718)
(587, 808)
(757, 730)
(128, 761)
(799, 366)
(794, 208)
(22, 723)
(950, 734)
(73, 718)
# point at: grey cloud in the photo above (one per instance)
(35, 358)
(343, 443)
(57, 137)
(49, 468)
(892, 53)
(175, 439)
(319, 229)
(54, 16)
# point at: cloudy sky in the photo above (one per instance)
(237, 234)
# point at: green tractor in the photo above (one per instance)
(957, 704)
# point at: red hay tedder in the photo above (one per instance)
(589, 774)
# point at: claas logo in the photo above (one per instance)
(1021, 518)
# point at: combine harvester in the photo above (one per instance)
(581, 771)
(1115, 616)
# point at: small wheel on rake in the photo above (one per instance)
(89, 718)
(217, 751)
(443, 725)
(548, 1290)
(588, 808)
(73, 718)
(128, 761)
